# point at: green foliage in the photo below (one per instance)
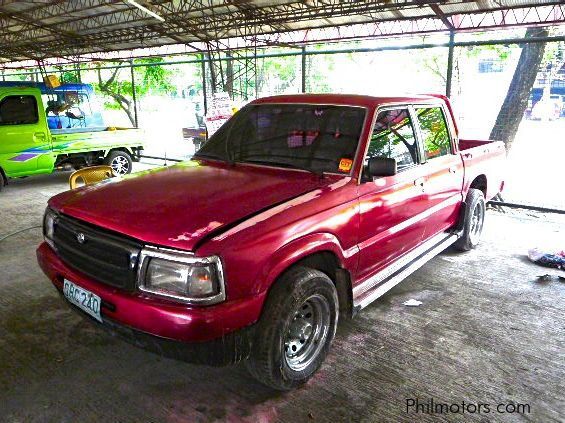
(150, 79)
(554, 53)
(502, 52)
(379, 144)
(279, 72)
(392, 128)
(68, 77)
(317, 67)
(434, 131)
(118, 88)
(154, 77)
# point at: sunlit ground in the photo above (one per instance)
(536, 165)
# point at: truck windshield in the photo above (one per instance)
(317, 138)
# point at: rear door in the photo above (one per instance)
(391, 208)
(23, 133)
(443, 179)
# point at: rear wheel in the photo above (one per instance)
(120, 161)
(296, 329)
(2, 180)
(475, 216)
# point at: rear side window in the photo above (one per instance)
(434, 132)
(18, 110)
(393, 137)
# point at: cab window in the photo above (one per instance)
(435, 136)
(393, 137)
(18, 110)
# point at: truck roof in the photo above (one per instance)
(348, 99)
(43, 88)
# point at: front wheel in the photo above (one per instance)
(474, 220)
(296, 329)
(120, 161)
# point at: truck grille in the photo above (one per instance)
(105, 257)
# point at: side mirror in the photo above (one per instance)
(381, 166)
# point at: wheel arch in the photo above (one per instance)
(4, 178)
(480, 183)
(123, 149)
(328, 263)
(317, 251)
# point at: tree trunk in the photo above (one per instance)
(228, 86)
(516, 101)
(125, 104)
(122, 101)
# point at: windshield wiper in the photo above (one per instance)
(250, 159)
(210, 156)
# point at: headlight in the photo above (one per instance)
(49, 225)
(181, 276)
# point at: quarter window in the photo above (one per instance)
(435, 136)
(393, 137)
(18, 110)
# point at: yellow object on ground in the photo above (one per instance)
(90, 175)
(51, 81)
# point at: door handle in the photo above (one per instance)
(420, 182)
(452, 169)
(468, 155)
(39, 135)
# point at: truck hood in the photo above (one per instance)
(180, 205)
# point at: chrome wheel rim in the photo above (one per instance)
(307, 332)
(120, 165)
(477, 219)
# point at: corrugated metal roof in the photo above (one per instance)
(72, 28)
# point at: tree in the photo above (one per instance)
(152, 77)
(112, 88)
(516, 101)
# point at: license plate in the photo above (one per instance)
(85, 300)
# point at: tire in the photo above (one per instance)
(475, 209)
(2, 180)
(296, 329)
(120, 161)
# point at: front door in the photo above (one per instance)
(23, 137)
(392, 208)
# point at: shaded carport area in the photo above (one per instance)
(488, 332)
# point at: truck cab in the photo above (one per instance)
(68, 105)
(29, 146)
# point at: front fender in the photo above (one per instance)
(300, 248)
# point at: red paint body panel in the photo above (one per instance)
(483, 158)
(260, 220)
(387, 206)
(177, 205)
(321, 220)
(156, 316)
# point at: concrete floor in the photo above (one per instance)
(487, 332)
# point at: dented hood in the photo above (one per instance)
(180, 205)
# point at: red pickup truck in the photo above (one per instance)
(299, 210)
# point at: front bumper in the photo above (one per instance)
(215, 334)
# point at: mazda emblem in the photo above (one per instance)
(81, 238)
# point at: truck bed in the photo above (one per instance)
(87, 139)
(78, 130)
(90, 129)
(483, 157)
